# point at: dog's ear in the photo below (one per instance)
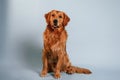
(65, 20)
(47, 17)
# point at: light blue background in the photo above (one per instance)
(93, 38)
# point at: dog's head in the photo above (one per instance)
(56, 19)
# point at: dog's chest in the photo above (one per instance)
(52, 38)
(52, 41)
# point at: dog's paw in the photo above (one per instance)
(43, 73)
(57, 75)
(70, 70)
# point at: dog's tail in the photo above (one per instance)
(73, 69)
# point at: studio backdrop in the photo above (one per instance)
(93, 37)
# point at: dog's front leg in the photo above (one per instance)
(58, 67)
(45, 64)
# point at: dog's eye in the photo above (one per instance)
(60, 16)
(53, 15)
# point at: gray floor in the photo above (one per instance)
(16, 71)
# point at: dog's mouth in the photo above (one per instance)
(55, 26)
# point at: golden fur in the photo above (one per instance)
(55, 58)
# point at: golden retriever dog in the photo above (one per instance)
(54, 56)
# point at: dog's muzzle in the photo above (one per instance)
(55, 21)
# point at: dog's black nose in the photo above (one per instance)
(55, 21)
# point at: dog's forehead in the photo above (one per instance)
(57, 12)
